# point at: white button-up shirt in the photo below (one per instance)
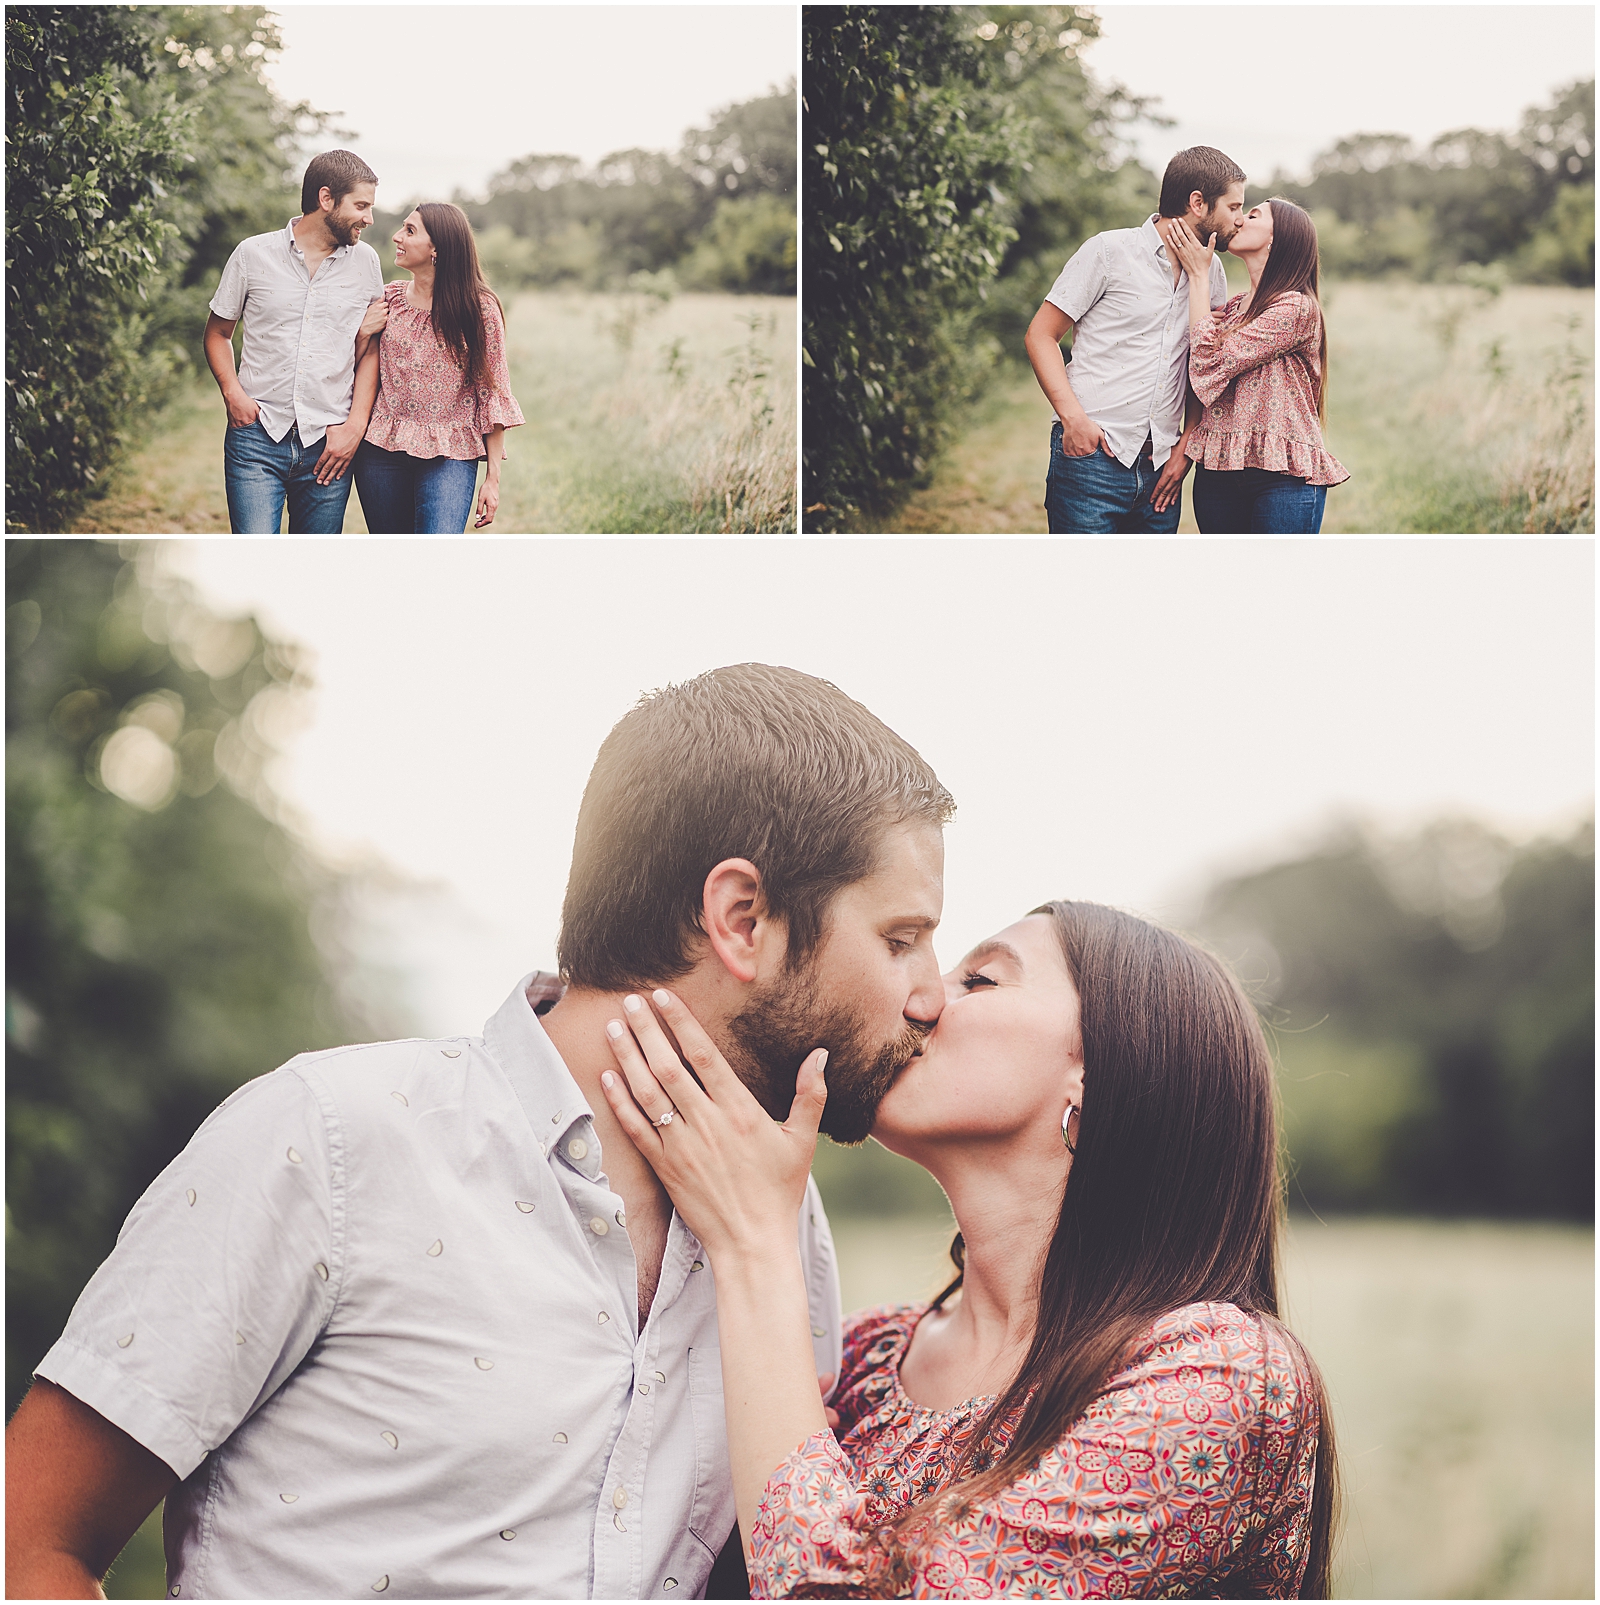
(1130, 342)
(299, 360)
(381, 1318)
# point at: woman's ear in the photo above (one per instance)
(737, 923)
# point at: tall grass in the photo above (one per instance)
(645, 412)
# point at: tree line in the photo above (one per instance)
(143, 142)
(955, 157)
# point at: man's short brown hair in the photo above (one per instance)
(337, 171)
(750, 761)
(1202, 168)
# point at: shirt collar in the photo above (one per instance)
(558, 1112)
(1152, 237)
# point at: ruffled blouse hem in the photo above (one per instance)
(1229, 452)
(415, 439)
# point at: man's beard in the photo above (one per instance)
(782, 1022)
(1218, 225)
(343, 233)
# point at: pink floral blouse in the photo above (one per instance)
(424, 405)
(1259, 383)
(1190, 1475)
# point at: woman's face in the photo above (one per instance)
(412, 247)
(1006, 1056)
(1255, 232)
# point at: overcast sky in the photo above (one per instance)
(1274, 84)
(1117, 720)
(442, 97)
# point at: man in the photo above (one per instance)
(1127, 405)
(299, 404)
(416, 1318)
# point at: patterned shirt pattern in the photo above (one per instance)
(1259, 383)
(1189, 1476)
(425, 406)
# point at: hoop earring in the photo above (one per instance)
(1071, 1110)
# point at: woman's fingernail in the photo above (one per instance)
(822, 1058)
(662, 997)
(607, 1080)
(614, 1029)
(632, 1004)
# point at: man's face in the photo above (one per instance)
(1224, 219)
(869, 993)
(353, 212)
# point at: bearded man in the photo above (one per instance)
(1126, 405)
(416, 1318)
(300, 402)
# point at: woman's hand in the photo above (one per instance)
(488, 501)
(736, 1177)
(373, 323)
(1194, 258)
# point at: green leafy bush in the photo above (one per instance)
(909, 153)
(158, 918)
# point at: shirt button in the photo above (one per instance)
(602, 1318)
(644, 1387)
(622, 1219)
(661, 1376)
(577, 1149)
(598, 1227)
(620, 1498)
(699, 1265)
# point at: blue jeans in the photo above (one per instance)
(1096, 495)
(262, 473)
(1256, 501)
(405, 495)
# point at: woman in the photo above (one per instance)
(1259, 364)
(1103, 1402)
(444, 396)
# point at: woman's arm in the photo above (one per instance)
(494, 449)
(737, 1180)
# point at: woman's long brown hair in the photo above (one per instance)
(458, 289)
(1293, 267)
(1175, 1195)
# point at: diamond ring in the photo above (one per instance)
(666, 1119)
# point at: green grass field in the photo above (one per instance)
(1454, 411)
(1460, 1364)
(642, 416)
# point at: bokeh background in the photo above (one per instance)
(955, 157)
(270, 796)
(629, 171)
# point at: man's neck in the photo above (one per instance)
(311, 235)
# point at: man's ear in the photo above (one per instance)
(737, 922)
(329, 204)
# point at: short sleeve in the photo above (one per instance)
(222, 1277)
(821, 1267)
(232, 287)
(1082, 281)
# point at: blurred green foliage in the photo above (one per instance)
(1433, 1006)
(159, 920)
(1473, 197)
(954, 156)
(142, 142)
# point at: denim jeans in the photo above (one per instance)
(405, 495)
(1096, 495)
(1256, 501)
(262, 473)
